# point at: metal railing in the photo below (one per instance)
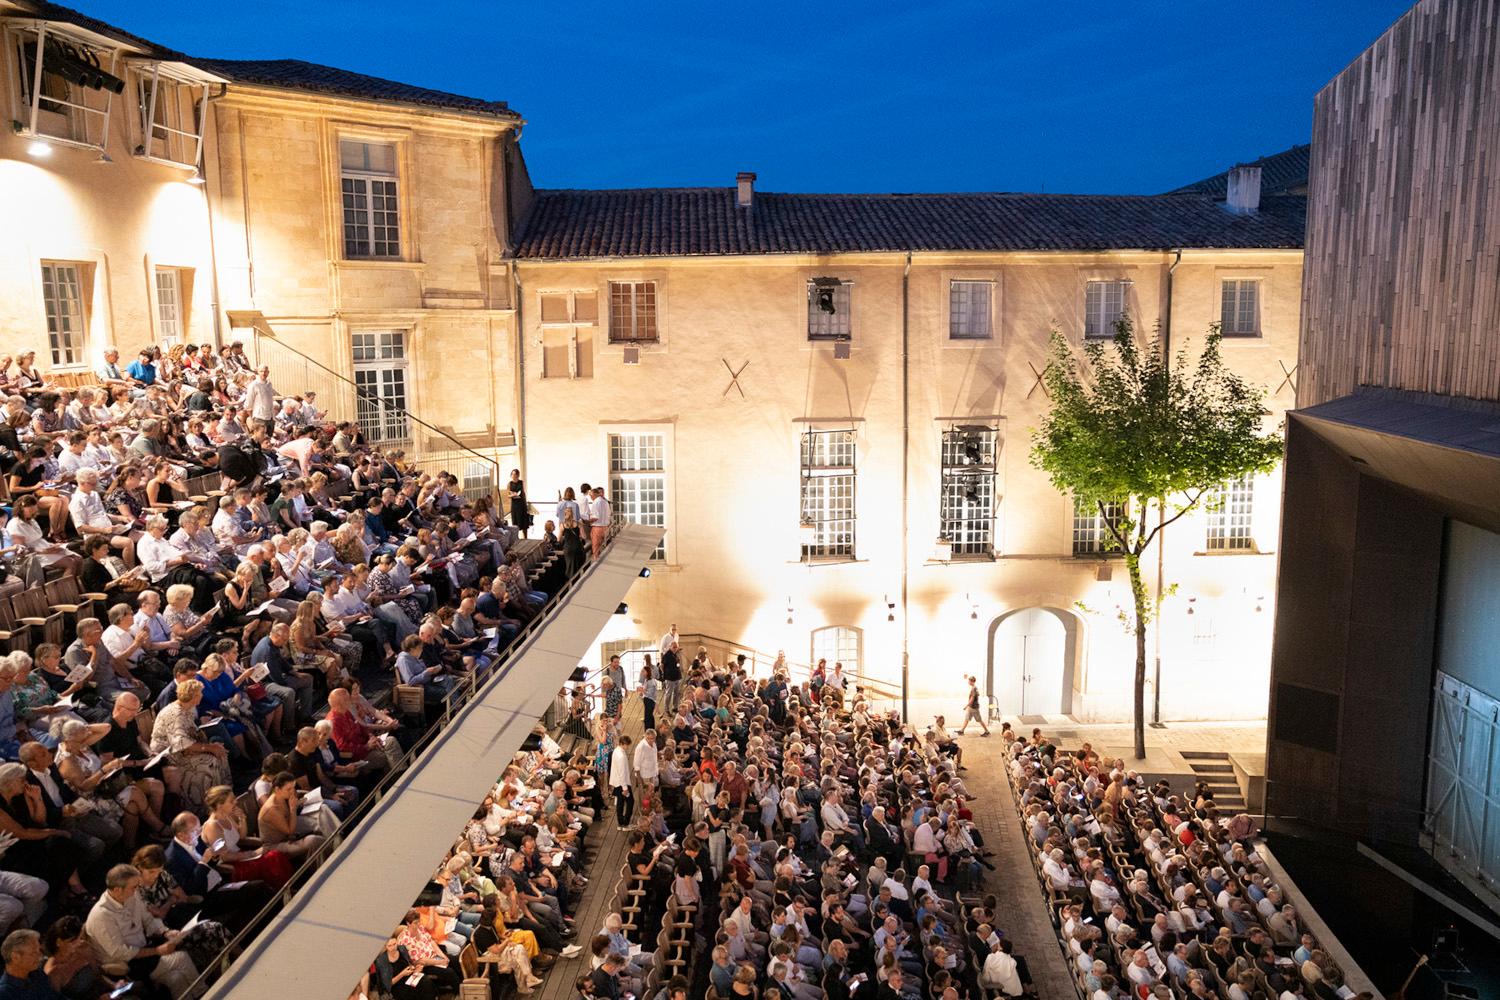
(456, 700)
(385, 424)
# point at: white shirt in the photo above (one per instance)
(343, 604)
(666, 642)
(1057, 873)
(1000, 973)
(599, 513)
(154, 554)
(260, 396)
(924, 840)
(69, 462)
(117, 640)
(646, 760)
(619, 768)
(88, 509)
(49, 787)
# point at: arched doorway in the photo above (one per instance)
(1031, 656)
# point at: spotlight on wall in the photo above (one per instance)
(971, 451)
(1191, 602)
(623, 609)
(104, 158)
(890, 609)
(788, 610)
(196, 178)
(39, 148)
(645, 572)
(973, 609)
(1259, 602)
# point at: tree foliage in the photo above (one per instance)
(1134, 426)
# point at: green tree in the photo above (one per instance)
(1155, 434)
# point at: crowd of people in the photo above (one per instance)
(1155, 894)
(784, 841)
(204, 722)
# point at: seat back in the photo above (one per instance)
(409, 699)
(251, 809)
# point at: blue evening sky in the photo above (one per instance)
(943, 95)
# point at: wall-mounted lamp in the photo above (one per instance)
(38, 148)
(1191, 602)
(789, 611)
(973, 609)
(890, 609)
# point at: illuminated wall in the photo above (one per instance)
(733, 472)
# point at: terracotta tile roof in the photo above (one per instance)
(66, 15)
(294, 74)
(1280, 173)
(655, 222)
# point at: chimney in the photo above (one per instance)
(1243, 194)
(745, 181)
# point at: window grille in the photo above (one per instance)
(967, 504)
(638, 481)
(828, 485)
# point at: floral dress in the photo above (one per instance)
(205, 941)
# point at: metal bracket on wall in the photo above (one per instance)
(1289, 376)
(734, 378)
(1038, 384)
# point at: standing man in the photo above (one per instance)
(671, 677)
(260, 396)
(598, 520)
(667, 640)
(620, 782)
(971, 706)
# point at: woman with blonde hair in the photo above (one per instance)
(106, 785)
(202, 764)
(308, 649)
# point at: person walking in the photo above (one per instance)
(971, 707)
(620, 781)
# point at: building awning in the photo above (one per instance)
(321, 943)
(1445, 449)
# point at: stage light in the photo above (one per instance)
(622, 609)
(971, 451)
(645, 572)
(39, 148)
(196, 178)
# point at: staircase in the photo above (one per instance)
(1213, 769)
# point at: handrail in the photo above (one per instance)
(455, 700)
(362, 395)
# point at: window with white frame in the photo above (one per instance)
(1091, 535)
(367, 181)
(969, 309)
(838, 644)
(638, 480)
(828, 481)
(169, 120)
(478, 479)
(380, 384)
(1231, 508)
(967, 507)
(1239, 314)
(62, 298)
(568, 321)
(168, 305)
(77, 88)
(632, 312)
(1104, 306)
(828, 309)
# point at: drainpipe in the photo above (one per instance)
(213, 251)
(515, 270)
(1161, 515)
(905, 462)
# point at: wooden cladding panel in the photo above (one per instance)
(1402, 272)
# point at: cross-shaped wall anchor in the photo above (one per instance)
(1038, 384)
(734, 378)
(1289, 377)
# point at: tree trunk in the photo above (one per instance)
(1138, 593)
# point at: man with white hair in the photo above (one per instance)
(91, 518)
(1056, 870)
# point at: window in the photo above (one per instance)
(1104, 306)
(1229, 512)
(168, 305)
(168, 117)
(969, 310)
(478, 479)
(828, 495)
(967, 508)
(1240, 314)
(568, 320)
(1090, 532)
(380, 384)
(632, 312)
(77, 85)
(838, 644)
(371, 210)
(638, 480)
(62, 296)
(827, 309)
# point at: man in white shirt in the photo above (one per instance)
(76, 456)
(646, 759)
(320, 554)
(124, 640)
(121, 928)
(260, 397)
(1000, 972)
(1056, 871)
(226, 528)
(597, 518)
(836, 821)
(927, 843)
(91, 518)
(667, 640)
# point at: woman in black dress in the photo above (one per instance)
(571, 534)
(520, 510)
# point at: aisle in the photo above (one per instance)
(607, 854)
(1023, 911)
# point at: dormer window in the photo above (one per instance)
(168, 117)
(65, 86)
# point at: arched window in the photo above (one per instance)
(838, 644)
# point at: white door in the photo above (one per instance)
(1029, 650)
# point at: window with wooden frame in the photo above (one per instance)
(638, 480)
(63, 302)
(632, 312)
(171, 317)
(568, 320)
(65, 85)
(169, 117)
(1239, 312)
(1231, 511)
(970, 305)
(838, 644)
(828, 309)
(1103, 307)
(368, 186)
